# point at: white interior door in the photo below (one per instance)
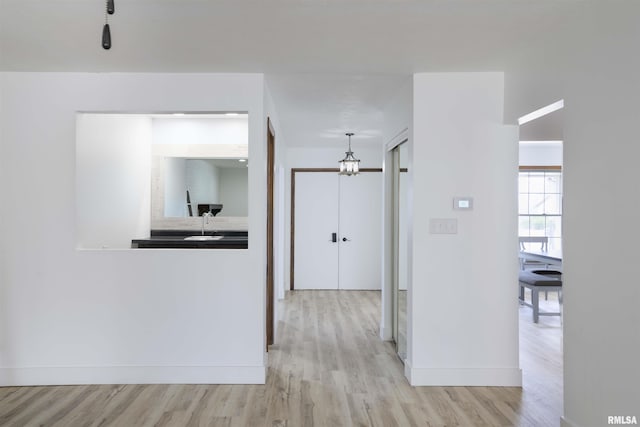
(316, 218)
(360, 231)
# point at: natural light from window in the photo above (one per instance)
(540, 205)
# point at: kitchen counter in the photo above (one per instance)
(175, 239)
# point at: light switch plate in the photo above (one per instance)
(443, 226)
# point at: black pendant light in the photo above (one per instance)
(106, 31)
(106, 37)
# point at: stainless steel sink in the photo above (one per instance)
(203, 238)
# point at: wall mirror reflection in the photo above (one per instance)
(195, 186)
(199, 164)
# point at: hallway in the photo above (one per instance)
(328, 368)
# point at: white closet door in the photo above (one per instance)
(361, 225)
(316, 218)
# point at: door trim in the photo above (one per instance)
(294, 171)
(387, 237)
(271, 141)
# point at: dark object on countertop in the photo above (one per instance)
(214, 208)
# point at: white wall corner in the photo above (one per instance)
(56, 375)
(489, 377)
(400, 137)
(566, 423)
(385, 333)
(407, 370)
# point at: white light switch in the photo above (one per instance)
(443, 226)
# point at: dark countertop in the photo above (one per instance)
(174, 239)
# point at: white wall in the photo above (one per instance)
(206, 130)
(113, 166)
(540, 154)
(601, 327)
(233, 191)
(598, 79)
(398, 111)
(120, 316)
(462, 293)
(4, 194)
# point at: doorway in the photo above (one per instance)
(540, 234)
(335, 229)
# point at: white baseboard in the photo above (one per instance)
(494, 377)
(385, 333)
(132, 375)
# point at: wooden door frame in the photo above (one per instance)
(293, 212)
(271, 140)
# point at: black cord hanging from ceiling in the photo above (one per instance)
(106, 31)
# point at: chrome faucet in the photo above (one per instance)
(205, 217)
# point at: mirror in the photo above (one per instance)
(400, 235)
(195, 186)
(199, 164)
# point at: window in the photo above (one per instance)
(540, 203)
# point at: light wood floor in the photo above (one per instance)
(541, 362)
(328, 368)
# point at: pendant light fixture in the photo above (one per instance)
(349, 165)
(106, 31)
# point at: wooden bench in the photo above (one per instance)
(536, 283)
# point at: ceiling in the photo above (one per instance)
(330, 64)
(318, 109)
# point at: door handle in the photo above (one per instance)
(334, 237)
(344, 239)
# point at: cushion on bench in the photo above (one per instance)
(547, 272)
(534, 279)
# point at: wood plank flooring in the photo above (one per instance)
(541, 362)
(327, 368)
